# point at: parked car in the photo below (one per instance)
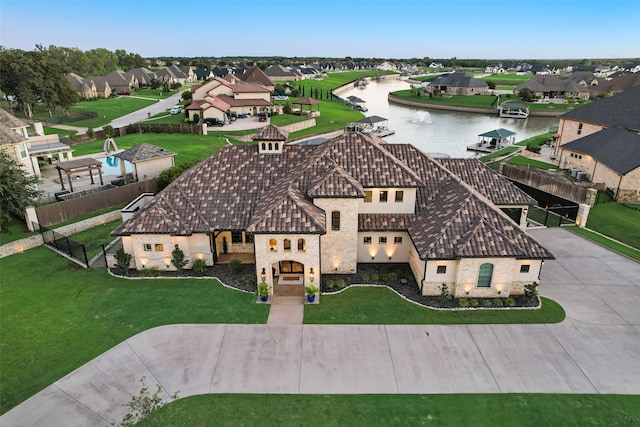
(175, 110)
(212, 121)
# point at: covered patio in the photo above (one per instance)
(310, 102)
(76, 166)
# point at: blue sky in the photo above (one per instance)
(542, 29)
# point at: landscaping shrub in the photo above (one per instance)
(109, 131)
(341, 284)
(150, 272)
(123, 261)
(531, 291)
(178, 259)
(375, 277)
(389, 277)
(366, 278)
(474, 302)
(463, 303)
(509, 302)
(444, 293)
(199, 267)
(235, 266)
(498, 302)
(487, 303)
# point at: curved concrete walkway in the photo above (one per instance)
(595, 350)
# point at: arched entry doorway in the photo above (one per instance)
(288, 278)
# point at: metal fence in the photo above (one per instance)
(552, 216)
(64, 244)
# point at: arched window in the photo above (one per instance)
(484, 277)
(277, 146)
(264, 146)
(335, 220)
(270, 147)
(301, 245)
(287, 245)
(273, 245)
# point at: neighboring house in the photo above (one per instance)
(554, 88)
(387, 66)
(279, 73)
(615, 85)
(101, 85)
(84, 89)
(610, 159)
(176, 74)
(601, 140)
(219, 97)
(300, 211)
(457, 83)
(256, 76)
(143, 76)
(148, 160)
(203, 73)
(121, 82)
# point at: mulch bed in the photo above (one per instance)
(395, 276)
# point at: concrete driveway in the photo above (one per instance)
(595, 350)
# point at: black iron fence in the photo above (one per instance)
(64, 244)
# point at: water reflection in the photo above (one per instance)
(437, 131)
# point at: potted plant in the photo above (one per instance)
(311, 292)
(263, 291)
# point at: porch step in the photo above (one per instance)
(286, 311)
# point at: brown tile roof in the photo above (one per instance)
(239, 189)
(144, 151)
(271, 133)
(488, 183)
(241, 102)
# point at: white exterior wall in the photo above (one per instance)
(390, 206)
(433, 281)
(381, 252)
(194, 247)
(267, 258)
(152, 168)
(340, 248)
(416, 265)
(253, 95)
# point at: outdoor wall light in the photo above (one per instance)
(263, 275)
(312, 275)
(389, 257)
(373, 257)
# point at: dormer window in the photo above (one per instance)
(384, 194)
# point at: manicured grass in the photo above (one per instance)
(614, 246)
(153, 93)
(616, 221)
(93, 238)
(501, 152)
(508, 79)
(14, 230)
(334, 115)
(189, 147)
(526, 161)
(109, 109)
(52, 325)
(521, 410)
(166, 118)
(381, 306)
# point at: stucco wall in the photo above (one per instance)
(390, 206)
(194, 247)
(380, 252)
(152, 168)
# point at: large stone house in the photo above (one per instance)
(456, 83)
(300, 211)
(602, 139)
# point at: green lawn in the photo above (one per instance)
(93, 238)
(189, 147)
(154, 93)
(526, 161)
(53, 325)
(631, 253)
(14, 230)
(518, 410)
(508, 79)
(381, 306)
(108, 109)
(616, 221)
(501, 152)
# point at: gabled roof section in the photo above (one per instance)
(143, 152)
(498, 133)
(618, 149)
(256, 75)
(622, 109)
(285, 210)
(336, 182)
(10, 120)
(484, 240)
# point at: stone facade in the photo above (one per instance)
(570, 130)
(340, 247)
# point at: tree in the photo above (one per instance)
(123, 261)
(527, 94)
(178, 259)
(18, 189)
(167, 176)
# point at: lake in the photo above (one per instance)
(438, 131)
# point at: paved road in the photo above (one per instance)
(595, 350)
(163, 105)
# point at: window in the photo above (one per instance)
(367, 240)
(399, 196)
(383, 196)
(23, 150)
(302, 245)
(368, 196)
(524, 268)
(264, 146)
(397, 240)
(442, 269)
(277, 146)
(236, 237)
(287, 245)
(147, 246)
(248, 238)
(484, 277)
(159, 247)
(579, 128)
(335, 220)
(273, 245)
(270, 146)
(382, 240)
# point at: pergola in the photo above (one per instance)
(79, 165)
(306, 101)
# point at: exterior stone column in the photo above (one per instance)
(583, 214)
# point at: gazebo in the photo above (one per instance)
(497, 138)
(306, 101)
(79, 165)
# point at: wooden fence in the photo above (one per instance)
(63, 211)
(547, 183)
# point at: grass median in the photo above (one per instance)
(478, 410)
